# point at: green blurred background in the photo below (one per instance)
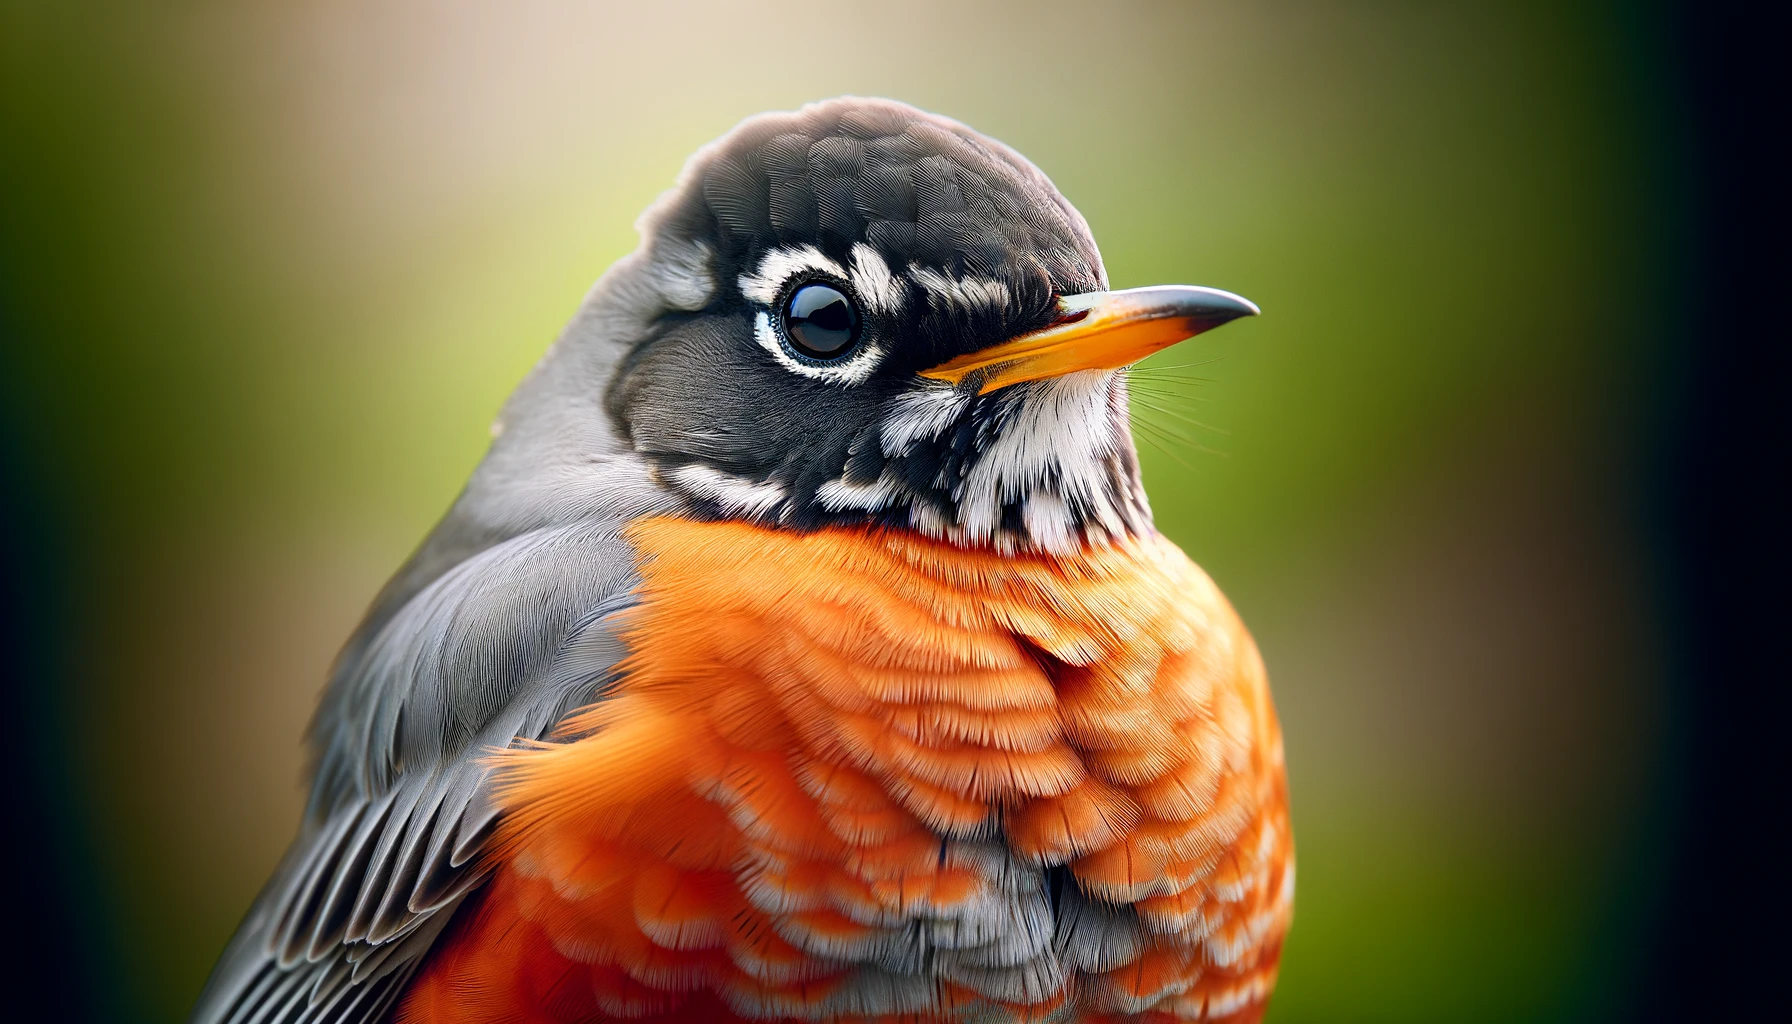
(268, 269)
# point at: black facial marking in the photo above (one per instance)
(866, 462)
(919, 467)
(1012, 520)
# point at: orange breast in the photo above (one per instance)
(861, 775)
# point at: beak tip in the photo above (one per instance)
(1214, 308)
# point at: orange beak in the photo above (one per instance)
(1098, 331)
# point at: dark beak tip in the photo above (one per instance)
(1216, 309)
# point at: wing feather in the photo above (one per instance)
(492, 650)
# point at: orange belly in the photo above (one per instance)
(859, 775)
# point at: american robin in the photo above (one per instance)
(802, 650)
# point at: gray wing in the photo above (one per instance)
(463, 654)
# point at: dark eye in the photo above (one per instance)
(821, 321)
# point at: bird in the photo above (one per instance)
(802, 649)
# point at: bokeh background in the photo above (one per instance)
(267, 271)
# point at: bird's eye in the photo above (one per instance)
(821, 322)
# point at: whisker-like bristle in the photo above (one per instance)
(1185, 418)
(1166, 431)
(1147, 438)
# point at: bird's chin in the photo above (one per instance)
(1051, 468)
(1042, 465)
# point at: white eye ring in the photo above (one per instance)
(854, 369)
(778, 266)
(880, 290)
(871, 278)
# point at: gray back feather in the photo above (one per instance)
(499, 625)
(499, 647)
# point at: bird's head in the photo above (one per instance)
(861, 312)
